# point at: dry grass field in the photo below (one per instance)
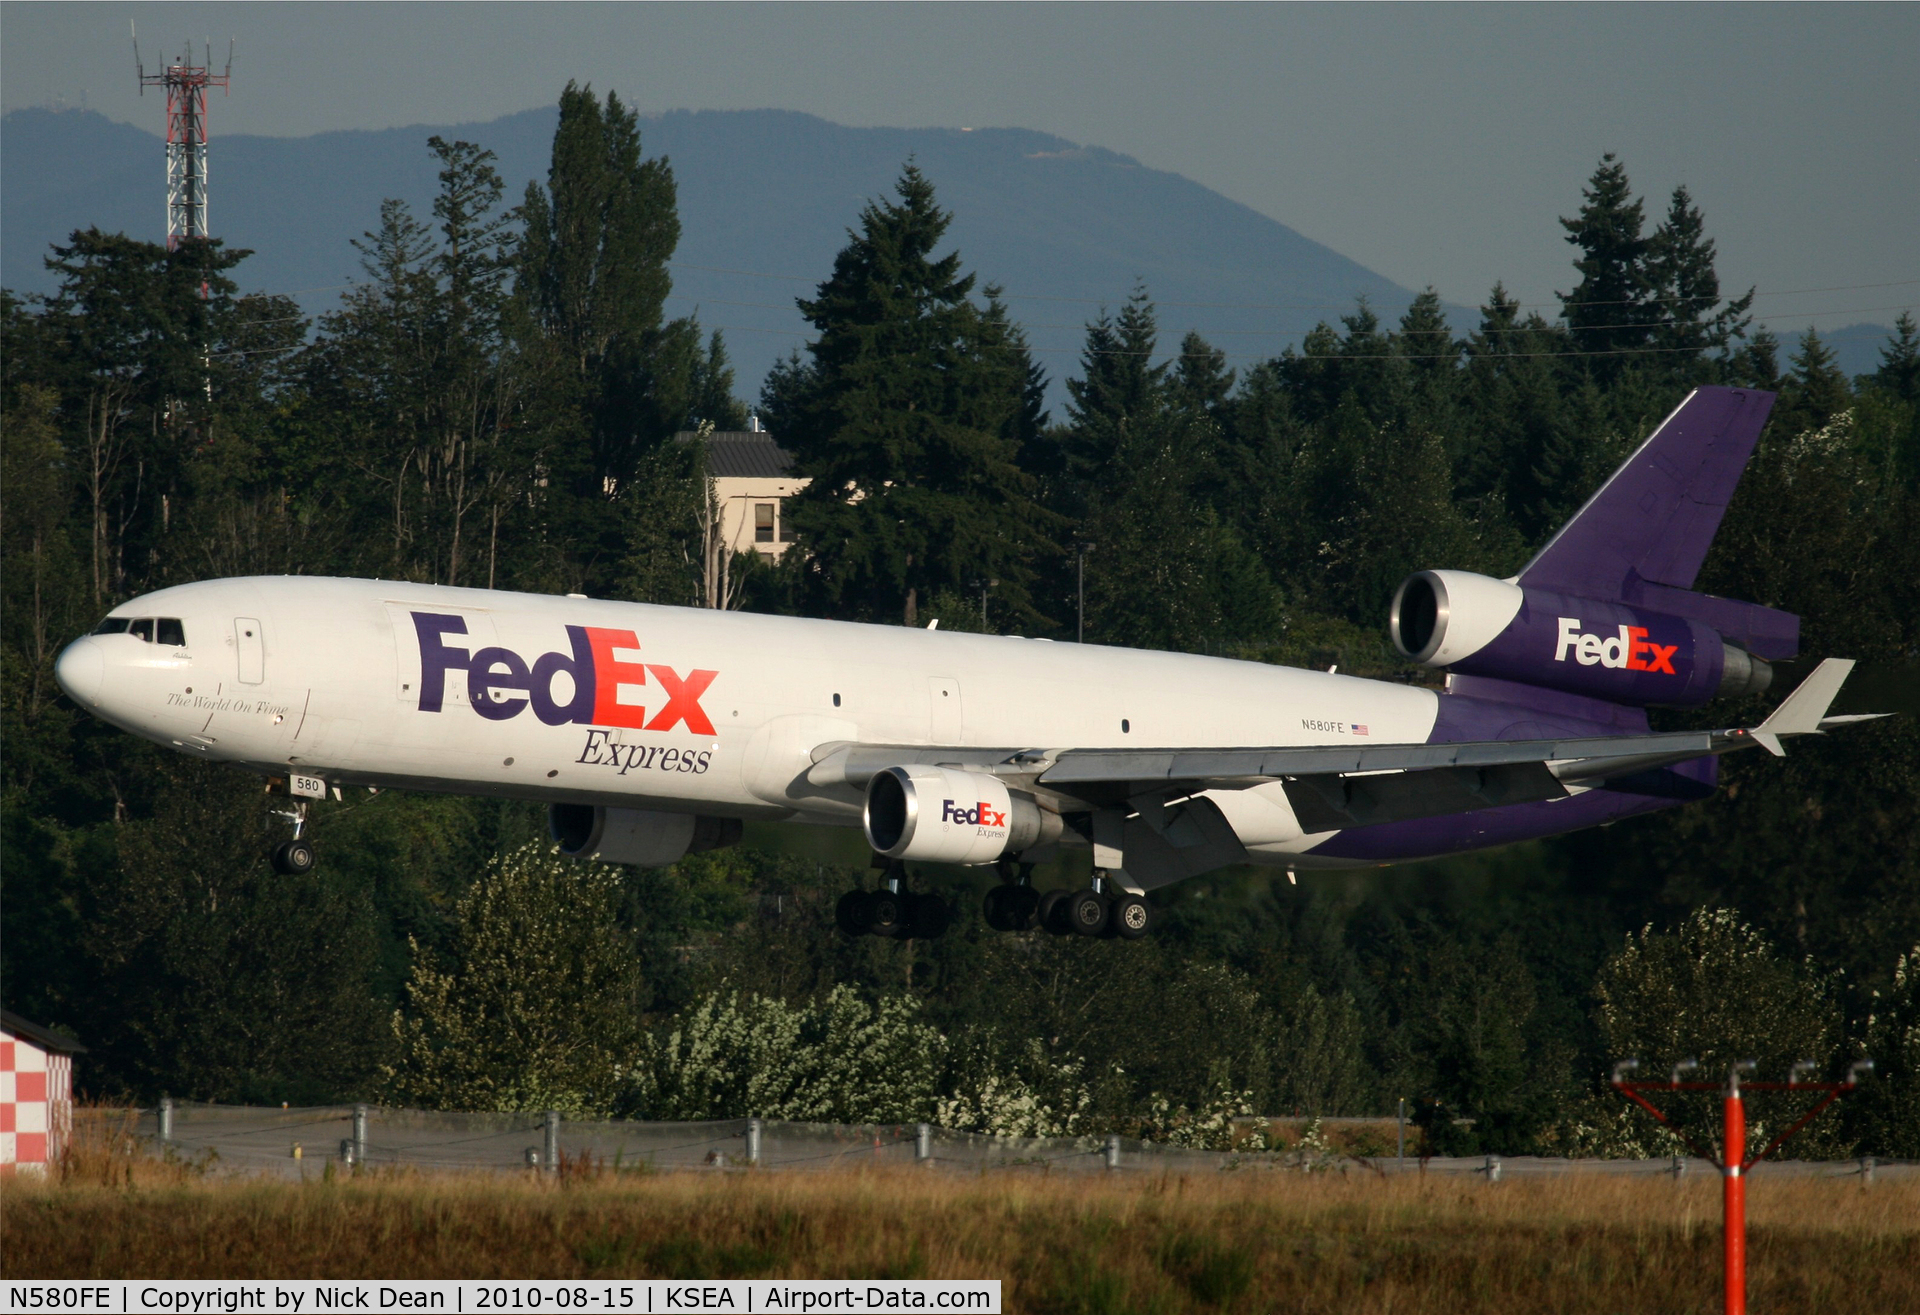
(1250, 1241)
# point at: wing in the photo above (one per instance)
(1336, 787)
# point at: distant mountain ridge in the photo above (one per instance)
(766, 197)
(1064, 228)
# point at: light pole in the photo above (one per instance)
(983, 586)
(1081, 547)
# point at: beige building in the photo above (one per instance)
(751, 477)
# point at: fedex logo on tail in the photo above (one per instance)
(978, 815)
(501, 683)
(1630, 649)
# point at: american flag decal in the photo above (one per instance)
(1359, 729)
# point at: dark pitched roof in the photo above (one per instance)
(743, 453)
(45, 1038)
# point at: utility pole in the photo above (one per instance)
(1082, 548)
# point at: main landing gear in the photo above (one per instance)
(295, 857)
(892, 910)
(1098, 910)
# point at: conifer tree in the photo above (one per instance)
(1201, 380)
(1514, 408)
(593, 272)
(905, 422)
(1424, 338)
(1685, 306)
(1609, 309)
(1899, 371)
(1814, 391)
(1757, 365)
(1119, 390)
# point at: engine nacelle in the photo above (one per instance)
(636, 835)
(1483, 627)
(946, 815)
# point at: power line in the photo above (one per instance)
(1223, 333)
(1300, 305)
(1331, 358)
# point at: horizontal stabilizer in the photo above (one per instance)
(1802, 711)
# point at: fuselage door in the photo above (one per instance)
(433, 644)
(249, 644)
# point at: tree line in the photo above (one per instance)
(494, 405)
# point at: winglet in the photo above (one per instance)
(1802, 711)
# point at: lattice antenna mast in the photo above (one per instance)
(186, 83)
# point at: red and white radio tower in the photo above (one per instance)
(186, 83)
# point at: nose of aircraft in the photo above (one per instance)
(81, 670)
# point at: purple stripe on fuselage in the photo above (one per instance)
(1544, 714)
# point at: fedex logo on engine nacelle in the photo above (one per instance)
(978, 815)
(1630, 649)
(500, 682)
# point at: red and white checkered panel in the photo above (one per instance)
(25, 1127)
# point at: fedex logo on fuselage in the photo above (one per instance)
(500, 683)
(978, 815)
(1630, 649)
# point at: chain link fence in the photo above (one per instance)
(295, 1143)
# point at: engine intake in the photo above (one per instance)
(948, 815)
(1479, 626)
(636, 835)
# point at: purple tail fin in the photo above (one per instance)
(1642, 537)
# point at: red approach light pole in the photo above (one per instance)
(1733, 1161)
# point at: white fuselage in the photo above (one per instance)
(296, 674)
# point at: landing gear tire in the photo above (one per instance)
(850, 913)
(294, 858)
(1022, 907)
(883, 913)
(1132, 918)
(995, 908)
(927, 917)
(1086, 912)
(1051, 913)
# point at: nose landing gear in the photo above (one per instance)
(295, 857)
(892, 910)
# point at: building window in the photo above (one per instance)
(763, 522)
(786, 528)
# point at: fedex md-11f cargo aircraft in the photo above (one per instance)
(651, 732)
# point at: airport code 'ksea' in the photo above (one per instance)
(754, 1297)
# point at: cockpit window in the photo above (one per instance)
(154, 630)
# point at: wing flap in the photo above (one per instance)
(1334, 803)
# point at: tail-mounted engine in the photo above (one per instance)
(1479, 626)
(947, 815)
(636, 835)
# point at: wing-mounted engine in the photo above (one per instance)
(1620, 652)
(935, 814)
(636, 835)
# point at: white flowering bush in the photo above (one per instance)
(837, 1060)
(987, 1094)
(1210, 1126)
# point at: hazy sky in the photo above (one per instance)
(1435, 144)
